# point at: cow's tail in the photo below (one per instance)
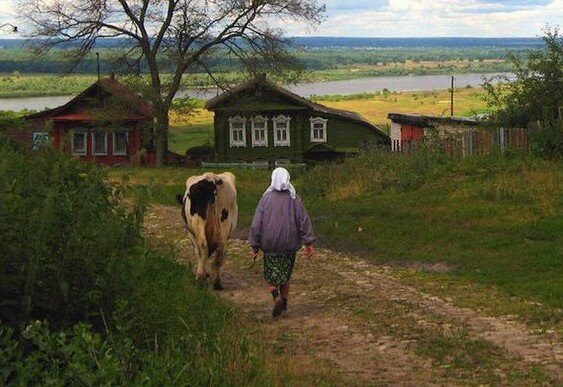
(182, 199)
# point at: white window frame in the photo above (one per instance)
(114, 142)
(80, 152)
(318, 120)
(239, 142)
(256, 142)
(93, 135)
(278, 120)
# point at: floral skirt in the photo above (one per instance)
(278, 267)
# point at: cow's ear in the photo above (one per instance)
(219, 181)
(180, 198)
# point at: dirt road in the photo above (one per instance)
(361, 324)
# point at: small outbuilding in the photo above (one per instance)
(105, 124)
(407, 129)
(263, 123)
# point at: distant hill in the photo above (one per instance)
(319, 53)
(351, 42)
(451, 42)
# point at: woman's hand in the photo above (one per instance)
(308, 251)
(254, 254)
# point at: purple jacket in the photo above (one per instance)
(280, 224)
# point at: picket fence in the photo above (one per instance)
(478, 142)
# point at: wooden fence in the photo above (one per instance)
(477, 142)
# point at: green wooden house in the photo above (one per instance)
(263, 123)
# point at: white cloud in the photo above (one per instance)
(6, 16)
(412, 18)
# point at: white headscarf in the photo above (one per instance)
(280, 182)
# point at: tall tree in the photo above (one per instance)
(537, 90)
(175, 36)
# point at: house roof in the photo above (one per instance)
(216, 102)
(430, 121)
(132, 106)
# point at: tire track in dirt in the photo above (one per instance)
(509, 334)
(325, 325)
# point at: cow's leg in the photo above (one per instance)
(216, 268)
(200, 249)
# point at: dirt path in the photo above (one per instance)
(361, 324)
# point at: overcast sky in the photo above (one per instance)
(412, 18)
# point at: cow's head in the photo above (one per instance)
(201, 194)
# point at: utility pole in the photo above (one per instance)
(98, 64)
(452, 98)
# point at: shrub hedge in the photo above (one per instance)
(83, 300)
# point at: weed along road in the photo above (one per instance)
(354, 322)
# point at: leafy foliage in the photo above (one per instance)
(84, 301)
(61, 234)
(201, 153)
(537, 90)
(535, 95)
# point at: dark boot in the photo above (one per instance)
(278, 307)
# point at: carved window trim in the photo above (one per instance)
(237, 132)
(318, 129)
(282, 131)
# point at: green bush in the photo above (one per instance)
(84, 301)
(62, 232)
(548, 141)
(154, 336)
(201, 153)
(165, 330)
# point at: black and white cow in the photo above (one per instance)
(210, 211)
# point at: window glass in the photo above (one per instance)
(120, 143)
(79, 142)
(99, 144)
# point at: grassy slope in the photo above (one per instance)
(191, 130)
(35, 85)
(482, 222)
(375, 108)
(495, 221)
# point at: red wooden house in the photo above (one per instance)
(105, 124)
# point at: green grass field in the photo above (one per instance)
(494, 221)
(485, 222)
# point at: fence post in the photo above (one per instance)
(501, 138)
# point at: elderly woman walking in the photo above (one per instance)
(280, 227)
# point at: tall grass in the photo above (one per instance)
(84, 301)
(496, 219)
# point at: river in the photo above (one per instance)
(351, 86)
